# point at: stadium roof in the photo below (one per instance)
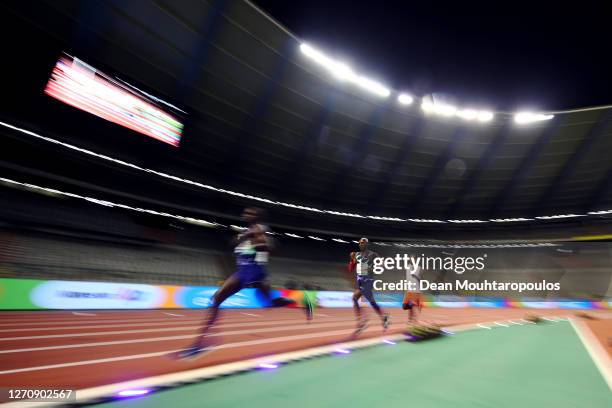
(266, 120)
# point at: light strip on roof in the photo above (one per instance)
(510, 219)
(553, 217)
(256, 198)
(343, 72)
(405, 99)
(522, 118)
(467, 221)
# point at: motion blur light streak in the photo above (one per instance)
(133, 393)
(268, 366)
(552, 217)
(280, 203)
(316, 238)
(342, 351)
(510, 219)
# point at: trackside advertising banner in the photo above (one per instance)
(97, 295)
(198, 297)
(32, 294)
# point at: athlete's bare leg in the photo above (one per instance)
(231, 286)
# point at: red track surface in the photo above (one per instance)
(68, 350)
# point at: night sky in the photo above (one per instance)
(502, 57)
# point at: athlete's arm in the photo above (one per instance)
(352, 269)
(243, 236)
(259, 239)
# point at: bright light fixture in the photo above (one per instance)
(405, 99)
(344, 72)
(530, 117)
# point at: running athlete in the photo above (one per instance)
(251, 248)
(362, 264)
(413, 298)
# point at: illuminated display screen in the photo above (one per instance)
(82, 86)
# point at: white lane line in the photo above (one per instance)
(483, 326)
(181, 337)
(224, 369)
(83, 314)
(87, 394)
(250, 314)
(162, 353)
(517, 323)
(165, 329)
(598, 354)
(102, 326)
(549, 319)
(162, 323)
(143, 320)
(173, 314)
(501, 324)
(526, 321)
(73, 321)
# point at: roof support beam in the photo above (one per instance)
(474, 175)
(570, 164)
(386, 180)
(524, 167)
(434, 174)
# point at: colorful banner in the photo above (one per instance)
(200, 297)
(32, 294)
(335, 299)
(97, 295)
(15, 294)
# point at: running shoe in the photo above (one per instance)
(386, 321)
(361, 326)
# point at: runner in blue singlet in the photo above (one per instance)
(251, 248)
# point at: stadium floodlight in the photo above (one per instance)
(316, 55)
(438, 108)
(344, 72)
(405, 99)
(293, 235)
(485, 116)
(444, 109)
(340, 240)
(373, 86)
(427, 106)
(522, 118)
(466, 221)
(468, 114)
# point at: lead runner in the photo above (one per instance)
(251, 248)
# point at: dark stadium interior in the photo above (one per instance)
(87, 201)
(256, 108)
